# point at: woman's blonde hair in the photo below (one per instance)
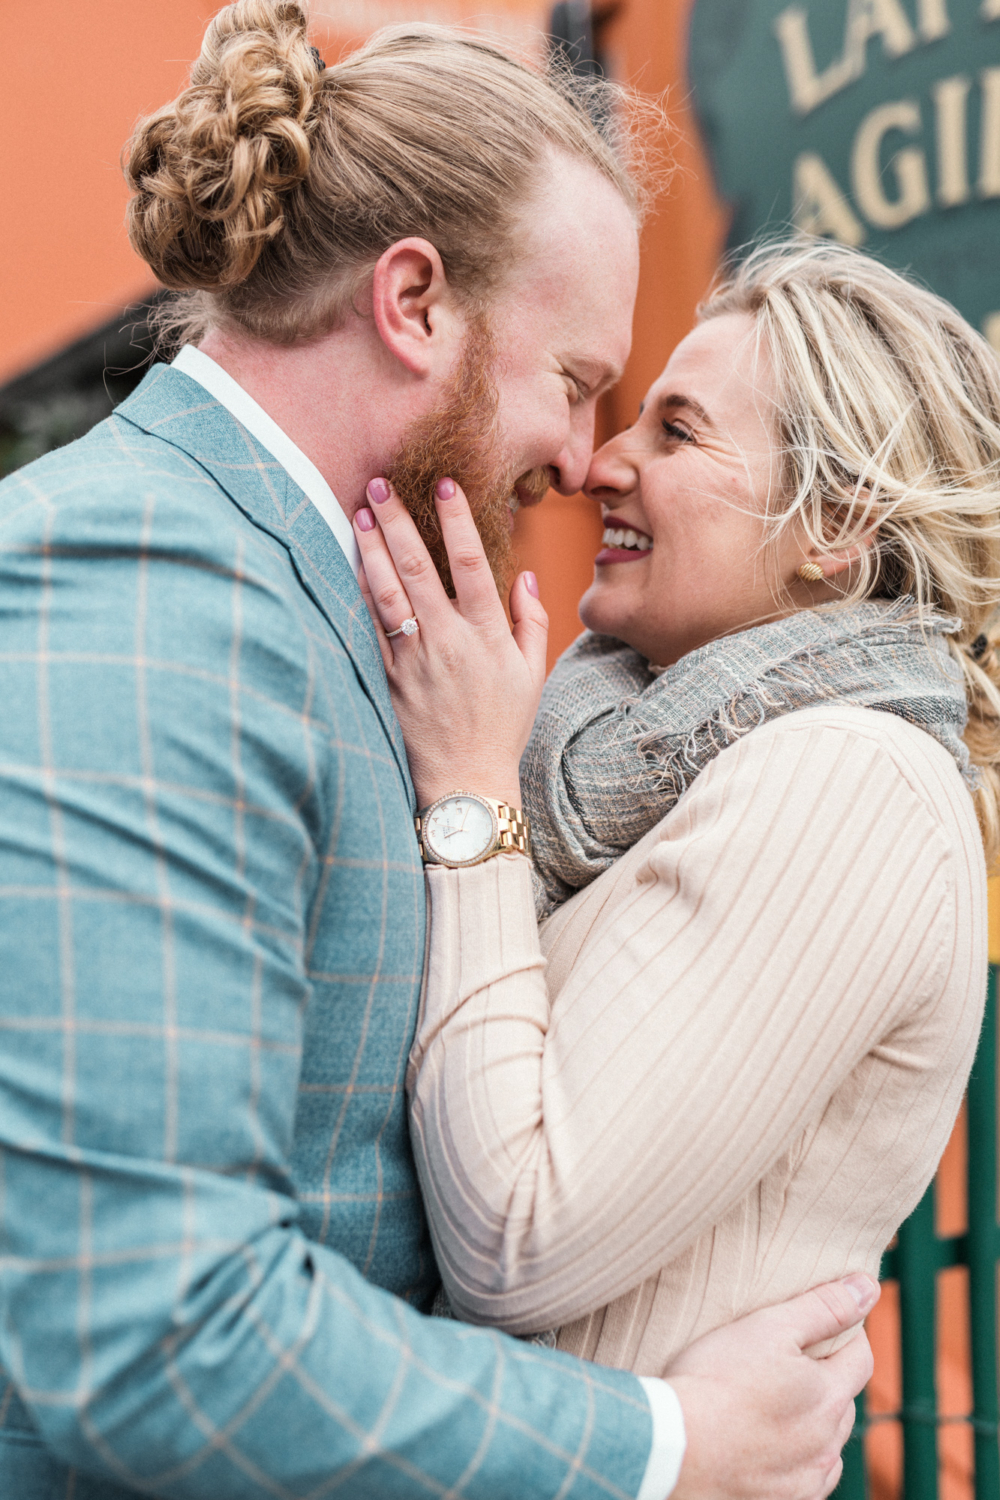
(888, 407)
(270, 186)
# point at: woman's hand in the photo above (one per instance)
(464, 686)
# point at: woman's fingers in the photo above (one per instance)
(384, 645)
(388, 601)
(396, 559)
(475, 586)
(465, 688)
(531, 626)
(475, 589)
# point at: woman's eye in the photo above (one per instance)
(679, 434)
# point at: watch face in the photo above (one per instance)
(459, 830)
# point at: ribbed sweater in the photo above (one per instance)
(727, 1069)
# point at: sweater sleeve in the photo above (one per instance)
(793, 912)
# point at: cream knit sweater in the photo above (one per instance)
(727, 1070)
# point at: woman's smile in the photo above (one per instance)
(623, 543)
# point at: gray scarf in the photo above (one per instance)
(617, 742)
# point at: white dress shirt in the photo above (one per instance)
(669, 1440)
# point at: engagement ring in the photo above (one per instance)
(408, 627)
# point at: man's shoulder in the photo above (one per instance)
(121, 525)
(125, 490)
(115, 467)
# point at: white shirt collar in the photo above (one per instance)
(202, 368)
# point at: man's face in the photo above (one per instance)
(519, 413)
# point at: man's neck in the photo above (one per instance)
(337, 397)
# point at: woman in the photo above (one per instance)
(728, 1065)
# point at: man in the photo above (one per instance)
(215, 1262)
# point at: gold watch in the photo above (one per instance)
(464, 828)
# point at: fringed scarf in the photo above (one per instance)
(617, 741)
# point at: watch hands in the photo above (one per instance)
(461, 826)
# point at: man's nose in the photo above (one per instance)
(569, 472)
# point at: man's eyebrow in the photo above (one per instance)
(596, 375)
(677, 402)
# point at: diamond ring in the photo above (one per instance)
(408, 627)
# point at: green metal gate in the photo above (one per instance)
(919, 1255)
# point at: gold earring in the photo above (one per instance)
(810, 572)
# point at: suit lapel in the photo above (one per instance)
(171, 406)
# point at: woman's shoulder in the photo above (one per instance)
(853, 765)
(894, 743)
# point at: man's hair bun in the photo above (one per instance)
(209, 171)
(267, 191)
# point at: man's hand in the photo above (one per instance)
(764, 1420)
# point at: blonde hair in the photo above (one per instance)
(269, 187)
(888, 408)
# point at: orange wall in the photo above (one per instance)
(74, 75)
(682, 241)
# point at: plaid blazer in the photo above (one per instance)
(212, 1249)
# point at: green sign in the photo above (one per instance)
(874, 122)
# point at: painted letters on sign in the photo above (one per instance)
(874, 122)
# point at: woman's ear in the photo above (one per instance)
(414, 308)
(831, 564)
(825, 564)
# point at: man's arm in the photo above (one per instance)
(162, 1316)
(174, 794)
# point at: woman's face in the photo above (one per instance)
(691, 479)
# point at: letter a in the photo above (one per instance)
(820, 207)
(884, 18)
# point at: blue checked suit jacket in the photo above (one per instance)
(212, 1249)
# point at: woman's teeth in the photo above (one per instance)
(630, 538)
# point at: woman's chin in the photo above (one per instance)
(598, 613)
(590, 611)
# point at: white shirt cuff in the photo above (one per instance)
(669, 1440)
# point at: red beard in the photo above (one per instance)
(461, 441)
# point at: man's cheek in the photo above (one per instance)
(531, 430)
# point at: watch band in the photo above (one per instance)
(513, 828)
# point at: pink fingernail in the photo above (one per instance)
(444, 489)
(378, 490)
(531, 584)
(365, 519)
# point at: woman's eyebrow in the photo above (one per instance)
(675, 402)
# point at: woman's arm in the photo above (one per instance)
(795, 911)
(794, 907)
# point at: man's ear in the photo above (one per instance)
(414, 308)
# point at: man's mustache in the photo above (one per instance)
(533, 486)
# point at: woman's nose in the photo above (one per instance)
(611, 474)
